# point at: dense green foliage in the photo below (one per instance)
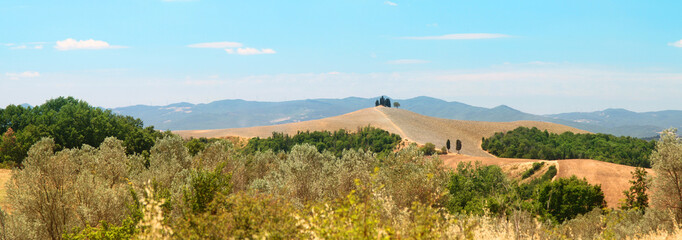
(531, 171)
(535, 144)
(71, 123)
(428, 149)
(667, 164)
(636, 197)
(222, 192)
(566, 198)
(367, 138)
(476, 188)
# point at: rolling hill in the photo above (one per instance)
(240, 113)
(412, 126)
(613, 178)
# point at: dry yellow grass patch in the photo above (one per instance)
(613, 178)
(5, 175)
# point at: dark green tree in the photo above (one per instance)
(458, 145)
(565, 198)
(376, 103)
(388, 103)
(447, 144)
(396, 104)
(382, 101)
(72, 123)
(636, 197)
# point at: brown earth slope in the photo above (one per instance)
(412, 126)
(613, 178)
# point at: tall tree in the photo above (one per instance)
(667, 164)
(447, 144)
(382, 101)
(388, 102)
(636, 197)
(458, 145)
(376, 103)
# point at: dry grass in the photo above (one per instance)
(412, 126)
(614, 178)
(5, 175)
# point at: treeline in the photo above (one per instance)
(532, 143)
(71, 123)
(366, 138)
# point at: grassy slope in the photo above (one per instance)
(412, 126)
(5, 175)
(613, 178)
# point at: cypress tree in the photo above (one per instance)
(458, 145)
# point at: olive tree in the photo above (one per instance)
(667, 164)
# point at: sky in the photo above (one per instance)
(539, 57)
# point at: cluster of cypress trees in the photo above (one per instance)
(383, 101)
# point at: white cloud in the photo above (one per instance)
(72, 44)
(676, 44)
(390, 3)
(250, 51)
(408, 61)
(204, 82)
(461, 36)
(216, 45)
(334, 73)
(31, 45)
(27, 74)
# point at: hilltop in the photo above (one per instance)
(409, 125)
(241, 113)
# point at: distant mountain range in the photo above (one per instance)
(240, 113)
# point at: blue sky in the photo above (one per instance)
(537, 56)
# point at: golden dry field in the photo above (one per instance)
(409, 125)
(5, 175)
(613, 178)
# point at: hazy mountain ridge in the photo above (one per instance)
(241, 113)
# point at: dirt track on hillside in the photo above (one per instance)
(613, 178)
(415, 127)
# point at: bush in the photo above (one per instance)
(367, 138)
(242, 216)
(566, 198)
(531, 171)
(428, 149)
(73, 188)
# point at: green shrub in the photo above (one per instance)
(428, 149)
(531, 171)
(203, 187)
(367, 138)
(474, 188)
(566, 198)
(241, 216)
